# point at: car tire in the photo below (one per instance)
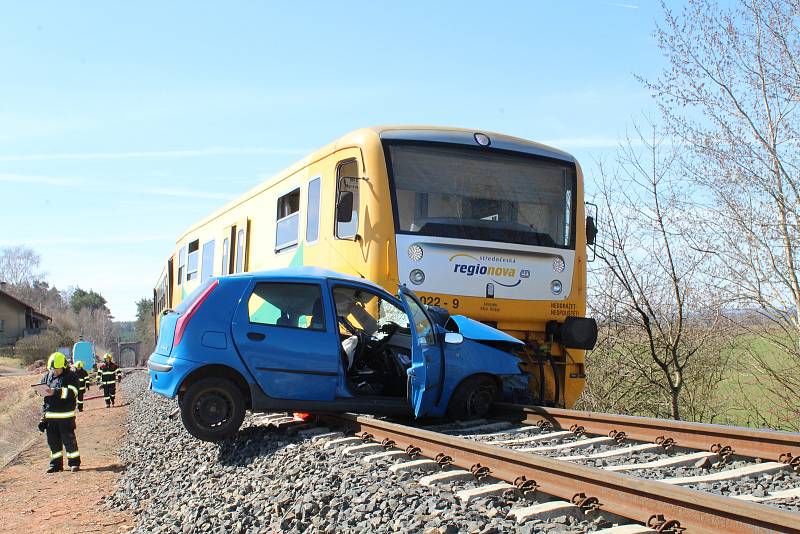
(472, 398)
(212, 409)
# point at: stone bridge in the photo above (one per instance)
(130, 354)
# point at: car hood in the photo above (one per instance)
(472, 329)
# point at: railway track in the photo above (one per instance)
(550, 462)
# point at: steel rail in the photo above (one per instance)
(634, 498)
(770, 445)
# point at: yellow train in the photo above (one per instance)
(482, 224)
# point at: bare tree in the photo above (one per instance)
(96, 325)
(613, 385)
(660, 323)
(19, 266)
(731, 96)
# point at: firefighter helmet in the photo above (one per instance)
(57, 361)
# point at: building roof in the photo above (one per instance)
(27, 306)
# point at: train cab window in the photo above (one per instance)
(192, 264)
(287, 304)
(347, 199)
(181, 265)
(288, 219)
(312, 211)
(208, 260)
(225, 268)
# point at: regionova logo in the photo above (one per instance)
(502, 271)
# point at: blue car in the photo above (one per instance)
(307, 339)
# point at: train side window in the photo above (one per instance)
(192, 264)
(208, 260)
(312, 211)
(225, 256)
(347, 199)
(181, 265)
(288, 220)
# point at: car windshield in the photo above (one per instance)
(469, 193)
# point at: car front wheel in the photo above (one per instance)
(212, 409)
(472, 398)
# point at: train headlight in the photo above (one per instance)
(556, 287)
(415, 253)
(416, 276)
(558, 264)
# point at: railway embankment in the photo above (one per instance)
(280, 474)
(268, 480)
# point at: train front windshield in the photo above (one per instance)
(476, 193)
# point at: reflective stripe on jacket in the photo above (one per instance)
(61, 404)
(108, 373)
(83, 377)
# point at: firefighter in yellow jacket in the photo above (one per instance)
(58, 419)
(107, 377)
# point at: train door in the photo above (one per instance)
(239, 246)
(348, 178)
(162, 295)
(348, 214)
(168, 289)
(227, 238)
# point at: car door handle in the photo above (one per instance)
(256, 336)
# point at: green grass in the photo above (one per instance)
(746, 400)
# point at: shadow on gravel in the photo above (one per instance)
(252, 443)
(114, 468)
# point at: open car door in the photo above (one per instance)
(426, 374)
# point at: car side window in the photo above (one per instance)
(287, 304)
(422, 325)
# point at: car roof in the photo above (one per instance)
(314, 273)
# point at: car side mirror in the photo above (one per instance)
(591, 230)
(453, 338)
(344, 207)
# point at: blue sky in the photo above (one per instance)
(123, 123)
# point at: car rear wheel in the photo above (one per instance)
(212, 409)
(472, 398)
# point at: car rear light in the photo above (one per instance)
(183, 320)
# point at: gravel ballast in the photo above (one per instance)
(266, 480)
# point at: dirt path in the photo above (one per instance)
(19, 405)
(68, 502)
